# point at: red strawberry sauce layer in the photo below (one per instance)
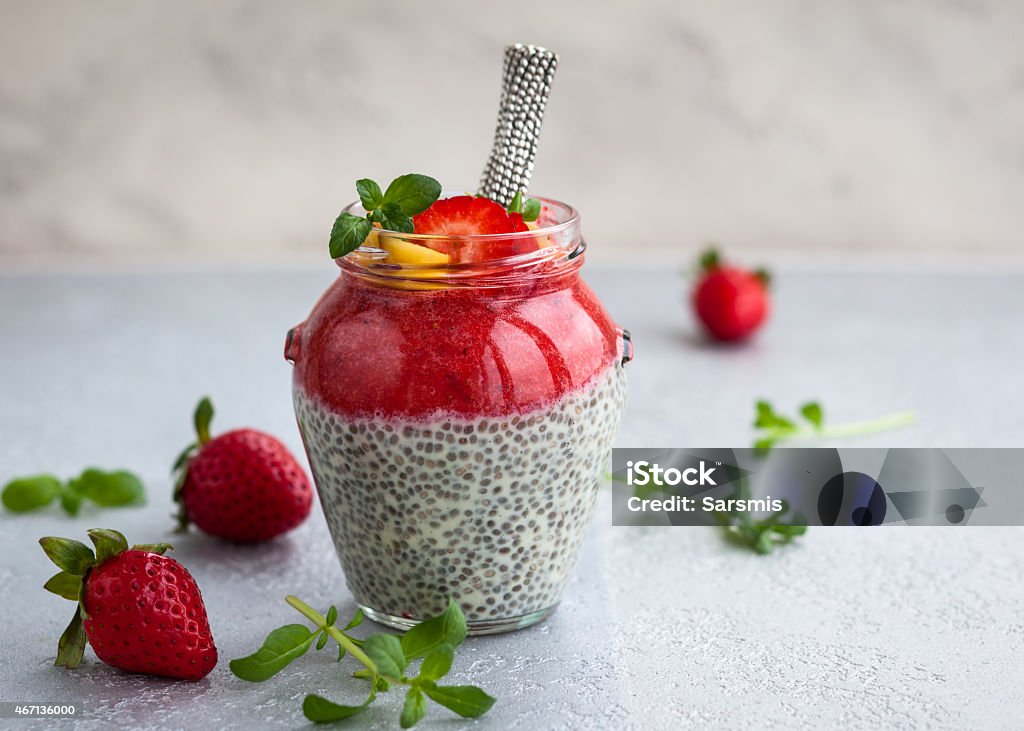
(370, 349)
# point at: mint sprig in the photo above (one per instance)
(529, 208)
(385, 658)
(106, 489)
(407, 196)
(773, 427)
(761, 535)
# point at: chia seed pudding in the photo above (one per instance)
(491, 511)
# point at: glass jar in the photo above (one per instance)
(458, 420)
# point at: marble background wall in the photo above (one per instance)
(158, 133)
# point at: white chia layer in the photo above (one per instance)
(491, 511)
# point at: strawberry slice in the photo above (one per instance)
(467, 215)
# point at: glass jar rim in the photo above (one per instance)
(571, 219)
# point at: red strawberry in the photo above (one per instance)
(243, 486)
(468, 215)
(731, 302)
(141, 611)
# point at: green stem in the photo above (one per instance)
(342, 639)
(883, 423)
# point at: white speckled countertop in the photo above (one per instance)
(662, 627)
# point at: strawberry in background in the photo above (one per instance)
(243, 486)
(140, 610)
(731, 302)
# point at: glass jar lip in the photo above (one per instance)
(571, 219)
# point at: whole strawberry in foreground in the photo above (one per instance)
(141, 611)
(243, 486)
(731, 302)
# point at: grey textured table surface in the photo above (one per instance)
(661, 627)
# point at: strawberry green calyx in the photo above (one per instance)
(709, 260)
(75, 560)
(201, 418)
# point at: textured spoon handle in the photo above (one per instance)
(526, 83)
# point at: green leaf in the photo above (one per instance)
(466, 700)
(202, 417)
(449, 628)
(710, 260)
(30, 493)
(413, 193)
(348, 234)
(332, 615)
(109, 543)
(109, 489)
(65, 585)
(71, 646)
(767, 418)
(437, 664)
(184, 457)
(357, 619)
(386, 653)
(282, 646)
(369, 193)
(160, 548)
(69, 555)
(320, 710)
(414, 708)
(71, 502)
(394, 219)
(516, 204)
(321, 643)
(813, 413)
(764, 276)
(531, 211)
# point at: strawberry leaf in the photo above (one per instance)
(69, 555)
(65, 585)
(109, 543)
(202, 417)
(71, 646)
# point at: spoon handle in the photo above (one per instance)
(526, 84)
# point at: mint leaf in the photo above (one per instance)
(766, 418)
(414, 708)
(413, 193)
(109, 543)
(65, 585)
(348, 234)
(71, 502)
(369, 194)
(109, 489)
(531, 211)
(320, 710)
(282, 646)
(69, 555)
(393, 219)
(448, 628)
(71, 646)
(332, 615)
(357, 619)
(437, 664)
(30, 493)
(386, 653)
(813, 413)
(466, 700)
(516, 204)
